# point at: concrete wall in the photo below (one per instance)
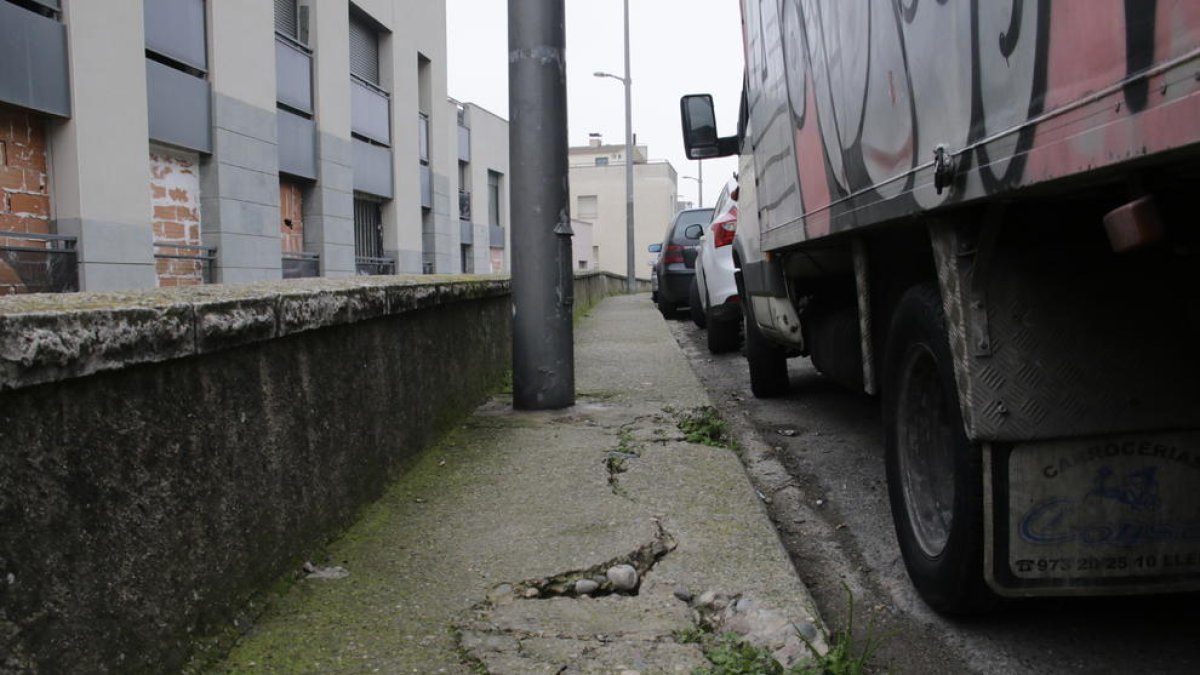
(165, 455)
(654, 196)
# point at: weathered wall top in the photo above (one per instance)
(50, 337)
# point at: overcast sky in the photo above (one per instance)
(677, 47)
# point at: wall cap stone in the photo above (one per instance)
(50, 337)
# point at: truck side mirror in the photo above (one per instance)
(655, 248)
(700, 138)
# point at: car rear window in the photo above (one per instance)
(686, 219)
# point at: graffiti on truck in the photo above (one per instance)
(875, 87)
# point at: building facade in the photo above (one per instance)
(598, 197)
(173, 142)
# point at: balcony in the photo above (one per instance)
(496, 236)
(370, 266)
(370, 111)
(297, 144)
(301, 265)
(464, 144)
(293, 75)
(178, 106)
(33, 60)
(183, 260)
(372, 169)
(37, 263)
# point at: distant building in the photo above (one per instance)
(598, 196)
(204, 141)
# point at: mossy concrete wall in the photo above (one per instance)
(167, 455)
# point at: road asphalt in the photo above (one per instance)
(593, 539)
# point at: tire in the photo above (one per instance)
(934, 474)
(694, 308)
(665, 307)
(767, 361)
(723, 336)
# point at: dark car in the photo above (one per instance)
(677, 259)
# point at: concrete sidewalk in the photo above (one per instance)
(506, 548)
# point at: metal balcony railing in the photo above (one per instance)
(370, 115)
(370, 266)
(202, 258)
(37, 263)
(301, 265)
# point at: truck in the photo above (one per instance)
(985, 214)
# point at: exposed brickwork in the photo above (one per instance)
(291, 216)
(24, 190)
(175, 200)
(497, 260)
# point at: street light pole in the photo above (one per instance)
(631, 278)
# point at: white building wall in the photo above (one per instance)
(489, 152)
(655, 193)
(98, 158)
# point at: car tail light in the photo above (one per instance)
(673, 254)
(724, 230)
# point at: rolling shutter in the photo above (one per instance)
(364, 51)
(286, 21)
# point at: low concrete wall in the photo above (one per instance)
(167, 455)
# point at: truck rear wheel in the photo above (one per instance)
(935, 476)
(767, 361)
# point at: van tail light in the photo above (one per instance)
(673, 254)
(723, 231)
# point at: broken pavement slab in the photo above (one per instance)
(472, 561)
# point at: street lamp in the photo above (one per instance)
(631, 279)
(700, 186)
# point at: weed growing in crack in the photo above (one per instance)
(689, 636)
(841, 659)
(730, 655)
(704, 425)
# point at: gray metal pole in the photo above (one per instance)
(542, 278)
(631, 280)
(700, 182)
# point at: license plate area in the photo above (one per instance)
(1094, 516)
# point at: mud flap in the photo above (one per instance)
(1099, 516)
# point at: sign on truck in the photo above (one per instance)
(985, 213)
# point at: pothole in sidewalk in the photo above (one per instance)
(621, 575)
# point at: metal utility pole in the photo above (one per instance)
(542, 277)
(631, 277)
(700, 183)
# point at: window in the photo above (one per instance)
(587, 208)
(364, 49)
(493, 198)
(601, 161)
(368, 229)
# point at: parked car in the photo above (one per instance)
(677, 259)
(715, 303)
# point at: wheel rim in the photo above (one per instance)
(925, 450)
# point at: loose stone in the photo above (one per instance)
(683, 593)
(808, 630)
(623, 577)
(586, 587)
(531, 592)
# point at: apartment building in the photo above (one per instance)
(598, 197)
(168, 142)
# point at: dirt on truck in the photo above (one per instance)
(985, 213)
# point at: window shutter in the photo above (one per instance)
(286, 21)
(364, 51)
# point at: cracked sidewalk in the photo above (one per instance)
(496, 551)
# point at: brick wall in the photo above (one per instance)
(175, 199)
(497, 260)
(291, 216)
(24, 188)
